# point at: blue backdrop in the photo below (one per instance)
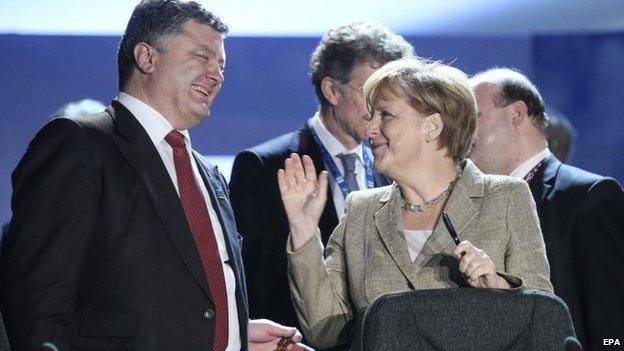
(267, 90)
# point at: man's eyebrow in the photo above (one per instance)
(209, 50)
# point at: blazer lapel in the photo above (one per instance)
(137, 148)
(544, 180)
(389, 225)
(461, 209)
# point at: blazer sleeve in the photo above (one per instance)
(54, 203)
(319, 289)
(598, 257)
(526, 253)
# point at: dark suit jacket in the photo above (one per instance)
(262, 221)
(100, 254)
(582, 220)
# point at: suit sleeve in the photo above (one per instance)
(598, 256)
(319, 287)
(526, 253)
(55, 196)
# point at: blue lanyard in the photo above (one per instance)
(329, 161)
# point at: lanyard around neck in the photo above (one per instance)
(333, 169)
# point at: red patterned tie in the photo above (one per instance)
(197, 215)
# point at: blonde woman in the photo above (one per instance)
(392, 239)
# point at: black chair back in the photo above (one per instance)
(467, 319)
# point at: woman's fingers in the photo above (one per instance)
(481, 270)
(321, 189)
(463, 248)
(281, 181)
(310, 171)
(298, 171)
(473, 263)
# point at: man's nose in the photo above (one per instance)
(216, 74)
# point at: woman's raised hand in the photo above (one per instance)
(304, 196)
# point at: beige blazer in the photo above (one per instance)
(367, 254)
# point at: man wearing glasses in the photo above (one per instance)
(345, 57)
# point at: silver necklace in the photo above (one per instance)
(427, 205)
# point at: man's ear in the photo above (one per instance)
(145, 57)
(519, 111)
(433, 127)
(329, 87)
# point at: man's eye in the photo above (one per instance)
(385, 114)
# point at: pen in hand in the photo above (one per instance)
(450, 228)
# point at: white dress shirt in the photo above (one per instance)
(334, 148)
(528, 165)
(157, 127)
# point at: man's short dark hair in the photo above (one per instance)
(342, 48)
(515, 86)
(152, 21)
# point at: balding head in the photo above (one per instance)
(514, 86)
(511, 120)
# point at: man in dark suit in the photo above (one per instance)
(343, 60)
(581, 213)
(122, 236)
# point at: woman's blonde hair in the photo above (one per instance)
(430, 87)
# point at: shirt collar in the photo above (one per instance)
(154, 123)
(334, 146)
(528, 165)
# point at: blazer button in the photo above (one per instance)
(209, 314)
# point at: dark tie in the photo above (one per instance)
(198, 218)
(348, 163)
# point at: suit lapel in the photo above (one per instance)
(137, 148)
(544, 180)
(220, 200)
(389, 225)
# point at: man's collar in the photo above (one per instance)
(154, 123)
(332, 144)
(529, 164)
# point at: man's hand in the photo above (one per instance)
(264, 335)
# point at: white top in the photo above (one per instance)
(157, 127)
(334, 148)
(416, 240)
(528, 165)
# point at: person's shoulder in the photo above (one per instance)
(275, 147)
(479, 184)
(75, 129)
(573, 179)
(495, 183)
(573, 176)
(370, 196)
